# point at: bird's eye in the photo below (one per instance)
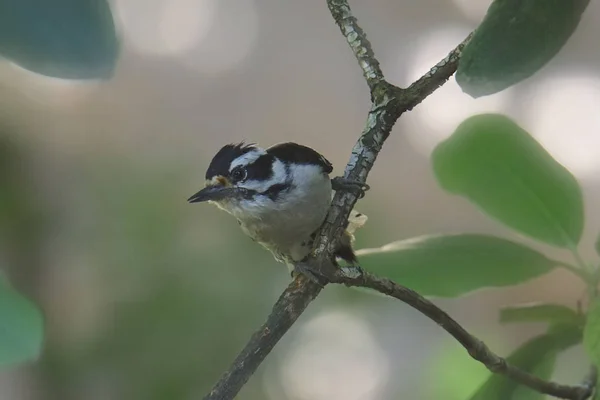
(238, 174)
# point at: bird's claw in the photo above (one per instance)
(309, 272)
(340, 183)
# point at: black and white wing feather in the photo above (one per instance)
(296, 153)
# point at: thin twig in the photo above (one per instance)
(357, 39)
(475, 347)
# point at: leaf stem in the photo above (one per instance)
(581, 273)
(578, 259)
(586, 271)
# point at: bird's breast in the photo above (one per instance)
(285, 225)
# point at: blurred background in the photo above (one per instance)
(148, 297)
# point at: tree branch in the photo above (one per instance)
(357, 39)
(292, 302)
(475, 347)
(389, 102)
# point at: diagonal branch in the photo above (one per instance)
(292, 302)
(475, 347)
(389, 102)
(357, 39)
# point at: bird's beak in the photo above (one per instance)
(213, 193)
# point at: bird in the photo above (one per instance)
(280, 196)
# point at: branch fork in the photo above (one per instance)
(389, 102)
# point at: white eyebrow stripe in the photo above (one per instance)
(280, 176)
(247, 158)
(280, 172)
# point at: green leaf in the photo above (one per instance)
(498, 166)
(451, 265)
(456, 375)
(71, 39)
(21, 327)
(597, 245)
(538, 312)
(515, 40)
(537, 356)
(591, 333)
(544, 370)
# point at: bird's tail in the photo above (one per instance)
(356, 220)
(345, 252)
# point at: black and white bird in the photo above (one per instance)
(279, 195)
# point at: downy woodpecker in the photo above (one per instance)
(279, 195)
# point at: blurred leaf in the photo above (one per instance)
(597, 245)
(70, 39)
(497, 165)
(21, 327)
(454, 375)
(539, 312)
(536, 356)
(451, 265)
(24, 213)
(543, 370)
(514, 41)
(591, 333)
(174, 288)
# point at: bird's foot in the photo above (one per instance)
(340, 183)
(310, 272)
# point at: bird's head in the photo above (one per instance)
(248, 181)
(237, 174)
